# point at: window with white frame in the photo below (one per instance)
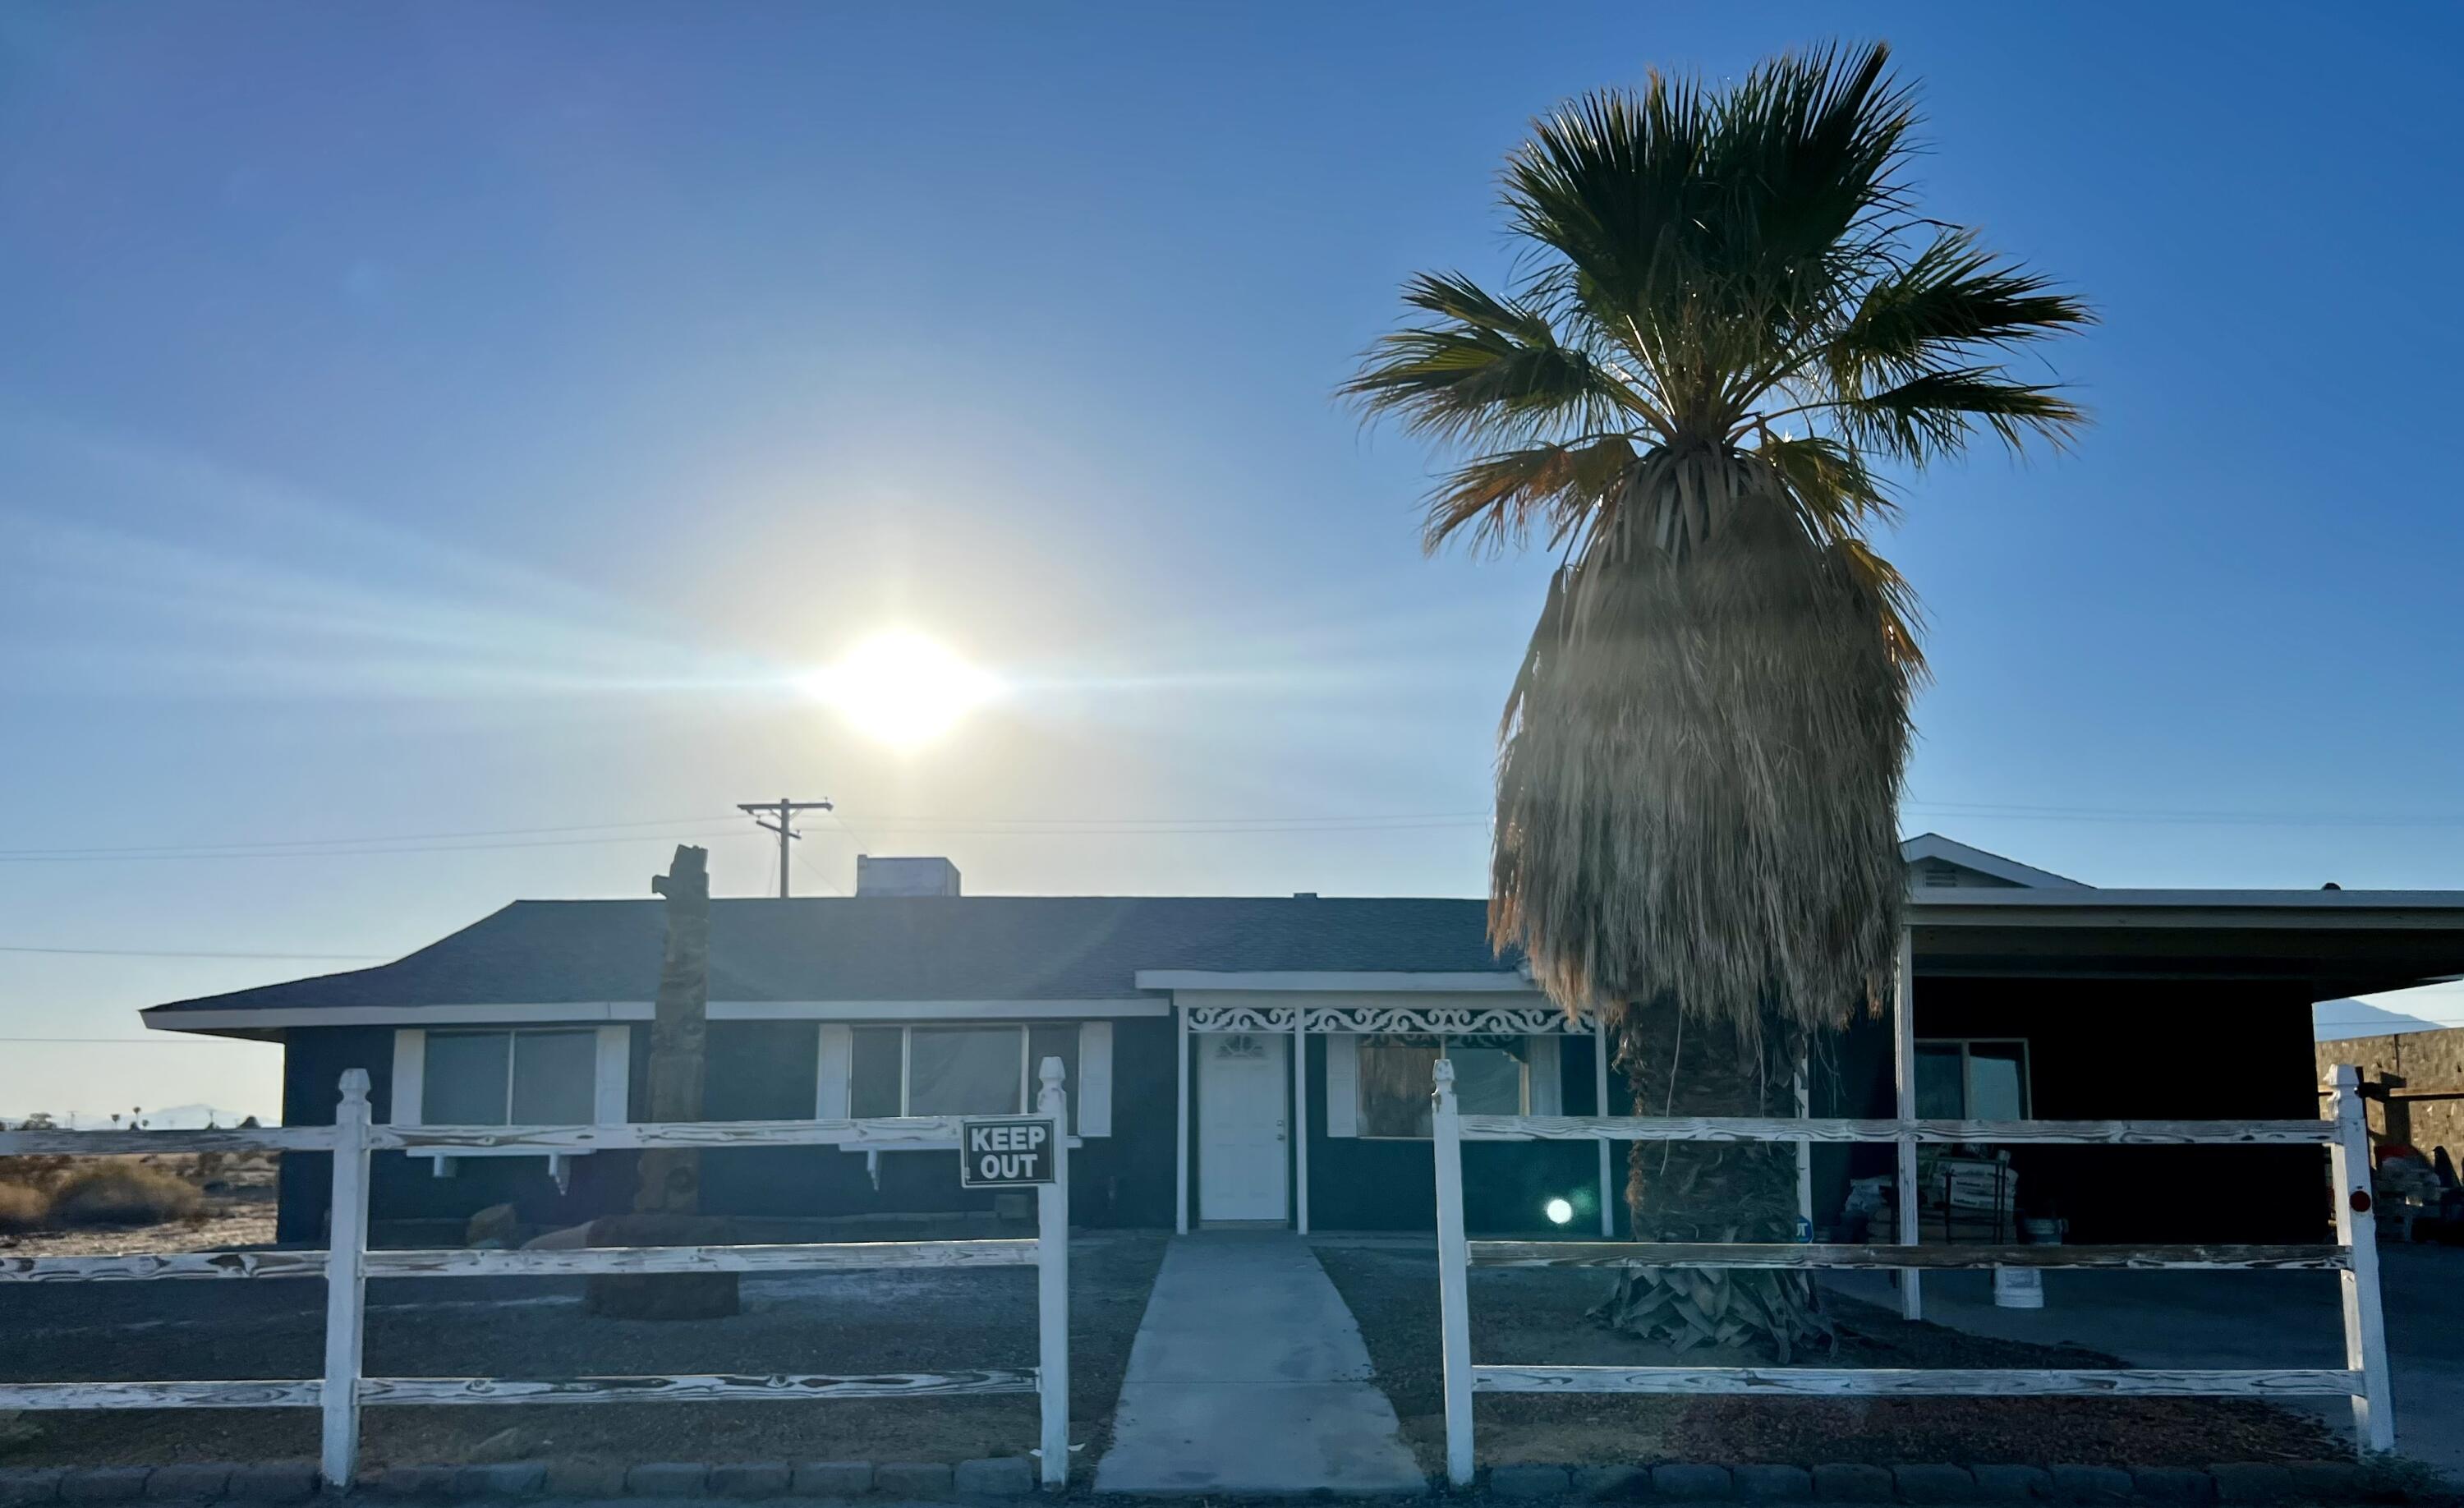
(1396, 1075)
(511, 1077)
(981, 1069)
(1977, 1079)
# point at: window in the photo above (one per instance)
(1492, 1077)
(1973, 1080)
(533, 1077)
(956, 1070)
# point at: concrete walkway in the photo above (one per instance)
(1248, 1376)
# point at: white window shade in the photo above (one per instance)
(1093, 1090)
(837, 1058)
(1543, 1056)
(1342, 1083)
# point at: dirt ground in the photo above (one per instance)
(897, 1320)
(1536, 1316)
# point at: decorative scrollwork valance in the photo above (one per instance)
(1399, 1020)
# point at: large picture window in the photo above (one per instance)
(954, 1070)
(1973, 1080)
(520, 1078)
(1492, 1077)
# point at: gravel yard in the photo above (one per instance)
(896, 1321)
(1537, 1316)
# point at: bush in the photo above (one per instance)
(122, 1193)
(21, 1208)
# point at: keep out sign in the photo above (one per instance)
(1005, 1153)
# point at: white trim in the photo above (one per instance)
(1094, 1086)
(1299, 1127)
(834, 1058)
(1337, 981)
(1342, 1083)
(1544, 1078)
(1600, 1106)
(554, 1014)
(1947, 850)
(2087, 906)
(611, 1087)
(1180, 1127)
(410, 1083)
(953, 1012)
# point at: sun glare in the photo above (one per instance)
(903, 688)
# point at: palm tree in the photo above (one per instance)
(1727, 317)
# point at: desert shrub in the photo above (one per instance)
(22, 1207)
(123, 1194)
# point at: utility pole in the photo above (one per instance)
(783, 827)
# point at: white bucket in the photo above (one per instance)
(2018, 1288)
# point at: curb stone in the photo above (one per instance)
(926, 1479)
(501, 1480)
(750, 1480)
(832, 1478)
(585, 1479)
(1529, 1481)
(1606, 1483)
(2335, 1481)
(1683, 1483)
(1935, 1484)
(1773, 1484)
(192, 1482)
(666, 1480)
(31, 1484)
(2177, 1486)
(994, 1476)
(105, 1484)
(2252, 1481)
(273, 1482)
(1848, 1482)
(2092, 1484)
(2012, 1484)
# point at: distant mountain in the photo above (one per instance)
(170, 1118)
(2331, 1021)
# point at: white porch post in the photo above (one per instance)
(1600, 1106)
(1804, 1150)
(1904, 1077)
(1300, 1121)
(1454, 1256)
(346, 1285)
(1180, 1127)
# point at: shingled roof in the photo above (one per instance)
(937, 948)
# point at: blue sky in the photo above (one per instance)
(456, 418)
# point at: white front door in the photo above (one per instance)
(1243, 1080)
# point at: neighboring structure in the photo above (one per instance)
(2415, 1084)
(1234, 1061)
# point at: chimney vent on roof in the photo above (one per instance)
(935, 876)
(1304, 895)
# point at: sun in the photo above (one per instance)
(903, 688)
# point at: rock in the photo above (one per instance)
(1773, 1484)
(919, 1480)
(195, 1482)
(1934, 1484)
(1528, 1481)
(750, 1479)
(998, 1477)
(1687, 1482)
(666, 1480)
(499, 1226)
(2092, 1484)
(833, 1478)
(661, 1296)
(2012, 1484)
(518, 1443)
(1850, 1482)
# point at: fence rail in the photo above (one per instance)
(346, 1265)
(2353, 1257)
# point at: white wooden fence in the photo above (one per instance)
(2354, 1255)
(348, 1264)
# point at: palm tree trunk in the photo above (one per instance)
(1711, 1190)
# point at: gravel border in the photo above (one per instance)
(1014, 1476)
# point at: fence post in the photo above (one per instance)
(1454, 1255)
(2348, 1157)
(345, 1282)
(1053, 1280)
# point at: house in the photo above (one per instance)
(1267, 1061)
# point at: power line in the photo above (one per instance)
(396, 838)
(345, 853)
(785, 826)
